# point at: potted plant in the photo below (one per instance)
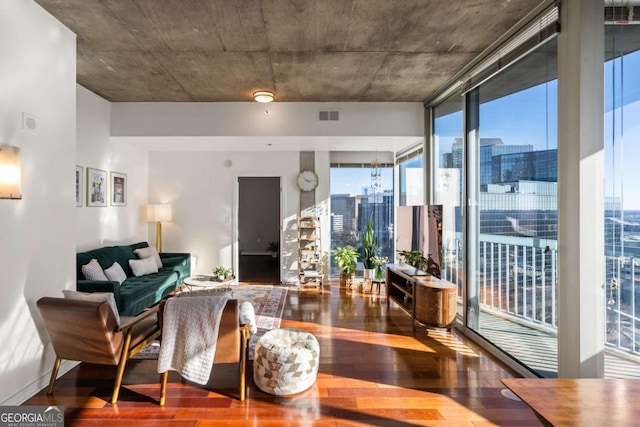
(413, 258)
(379, 263)
(222, 272)
(274, 248)
(346, 258)
(369, 250)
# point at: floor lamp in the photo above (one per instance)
(157, 214)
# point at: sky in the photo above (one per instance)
(523, 118)
(353, 180)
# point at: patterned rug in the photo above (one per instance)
(268, 302)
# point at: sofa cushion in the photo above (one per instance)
(142, 267)
(93, 271)
(149, 252)
(105, 256)
(123, 254)
(138, 293)
(116, 273)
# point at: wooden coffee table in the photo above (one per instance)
(207, 281)
(580, 402)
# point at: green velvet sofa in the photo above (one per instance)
(136, 293)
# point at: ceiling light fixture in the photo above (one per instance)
(264, 96)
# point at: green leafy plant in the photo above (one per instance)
(222, 271)
(346, 258)
(369, 245)
(413, 258)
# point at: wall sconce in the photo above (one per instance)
(10, 181)
(157, 214)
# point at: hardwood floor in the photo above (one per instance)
(372, 372)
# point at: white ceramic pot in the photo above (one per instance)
(369, 273)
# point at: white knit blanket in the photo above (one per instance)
(189, 336)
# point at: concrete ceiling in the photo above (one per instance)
(304, 50)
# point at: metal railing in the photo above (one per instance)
(518, 277)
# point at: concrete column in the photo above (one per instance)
(581, 302)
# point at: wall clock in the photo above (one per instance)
(307, 181)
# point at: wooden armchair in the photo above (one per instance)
(87, 331)
(231, 346)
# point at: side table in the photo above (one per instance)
(202, 281)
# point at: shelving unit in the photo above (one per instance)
(310, 266)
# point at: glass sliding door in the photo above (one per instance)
(622, 203)
(448, 174)
(512, 213)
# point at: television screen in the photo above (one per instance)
(419, 228)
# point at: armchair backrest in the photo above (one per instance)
(228, 343)
(85, 331)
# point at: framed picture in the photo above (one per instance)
(118, 189)
(79, 189)
(96, 187)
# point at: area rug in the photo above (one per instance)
(268, 302)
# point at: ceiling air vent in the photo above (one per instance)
(328, 116)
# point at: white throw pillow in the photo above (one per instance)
(149, 252)
(116, 273)
(142, 267)
(95, 296)
(93, 271)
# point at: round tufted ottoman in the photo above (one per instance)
(285, 361)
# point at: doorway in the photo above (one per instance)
(259, 220)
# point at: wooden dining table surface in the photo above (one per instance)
(580, 402)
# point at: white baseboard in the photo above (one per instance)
(38, 384)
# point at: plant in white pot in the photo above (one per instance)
(369, 250)
(222, 272)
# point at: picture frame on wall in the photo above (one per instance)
(96, 187)
(118, 189)
(79, 186)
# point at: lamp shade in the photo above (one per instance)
(10, 181)
(158, 213)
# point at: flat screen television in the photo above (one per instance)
(419, 228)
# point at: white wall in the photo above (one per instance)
(203, 192)
(37, 238)
(298, 119)
(100, 226)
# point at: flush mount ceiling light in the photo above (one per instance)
(263, 96)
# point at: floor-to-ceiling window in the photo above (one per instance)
(447, 184)
(360, 192)
(622, 192)
(513, 164)
(411, 177)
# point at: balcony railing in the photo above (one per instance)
(518, 277)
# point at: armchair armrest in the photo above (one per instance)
(99, 286)
(129, 322)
